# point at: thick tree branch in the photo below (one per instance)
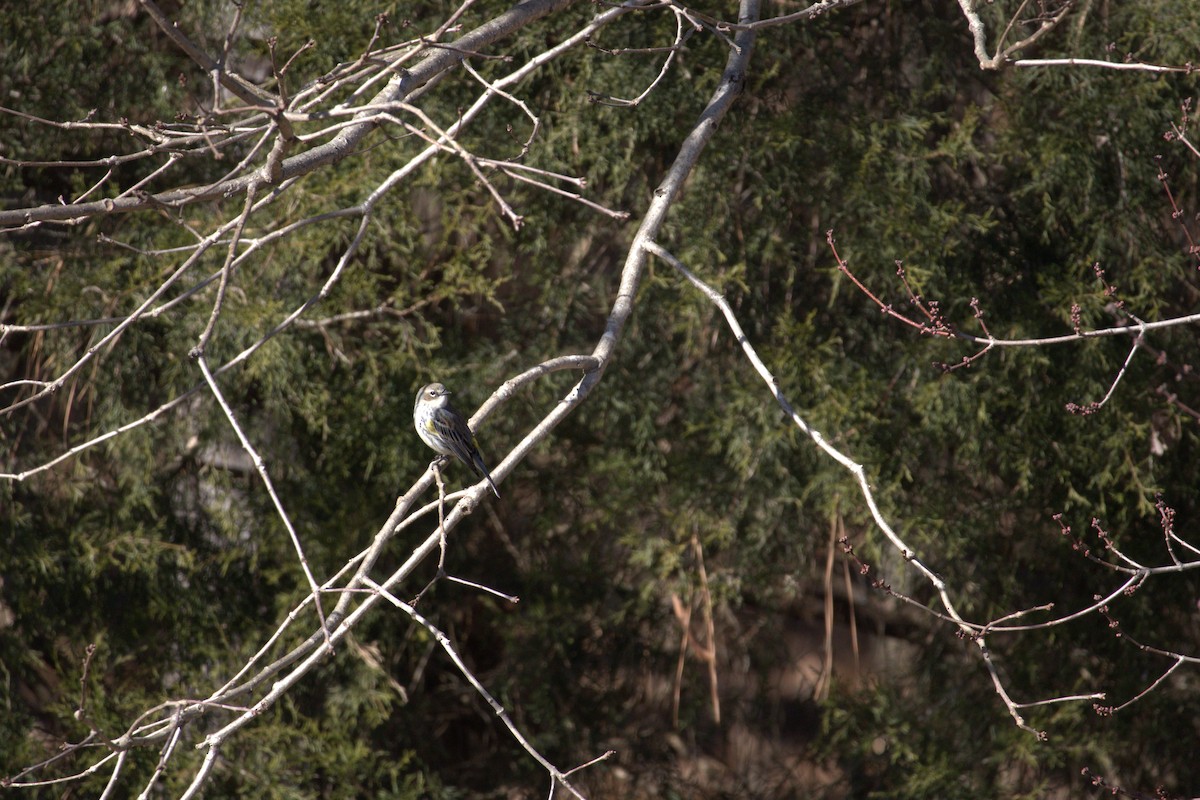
(342, 145)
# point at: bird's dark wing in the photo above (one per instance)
(457, 435)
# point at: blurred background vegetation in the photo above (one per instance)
(161, 549)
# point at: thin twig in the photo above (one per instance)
(443, 640)
(860, 475)
(261, 467)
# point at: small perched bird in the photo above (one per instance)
(445, 430)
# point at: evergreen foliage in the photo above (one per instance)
(161, 549)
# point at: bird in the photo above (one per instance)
(446, 431)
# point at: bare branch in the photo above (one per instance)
(247, 91)
(437, 62)
(859, 473)
(556, 774)
(1131, 66)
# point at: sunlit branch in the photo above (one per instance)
(444, 641)
(860, 476)
(1130, 66)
